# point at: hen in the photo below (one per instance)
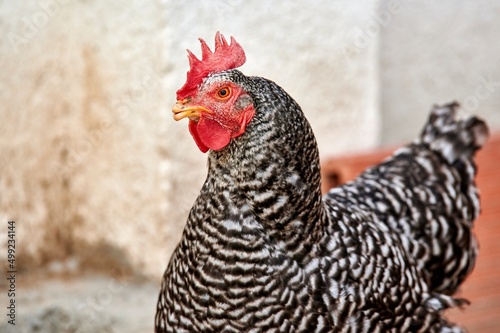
(264, 251)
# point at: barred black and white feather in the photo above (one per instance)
(263, 251)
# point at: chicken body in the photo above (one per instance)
(263, 251)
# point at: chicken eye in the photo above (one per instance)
(224, 93)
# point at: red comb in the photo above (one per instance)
(226, 56)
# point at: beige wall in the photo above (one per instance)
(436, 52)
(93, 166)
(83, 140)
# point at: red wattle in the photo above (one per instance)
(194, 133)
(209, 134)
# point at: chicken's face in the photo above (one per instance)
(217, 107)
(218, 112)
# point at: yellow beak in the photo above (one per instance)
(182, 110)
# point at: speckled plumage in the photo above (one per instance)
(263, 251)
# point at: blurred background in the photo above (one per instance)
(100, 179)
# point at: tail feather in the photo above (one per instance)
(455, 139)
(426, 193)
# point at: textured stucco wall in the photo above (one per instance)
(436, 52)
(93, 166)
(83, 140)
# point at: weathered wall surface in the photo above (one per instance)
(436, 52)
(84, 142)
(93, 167)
